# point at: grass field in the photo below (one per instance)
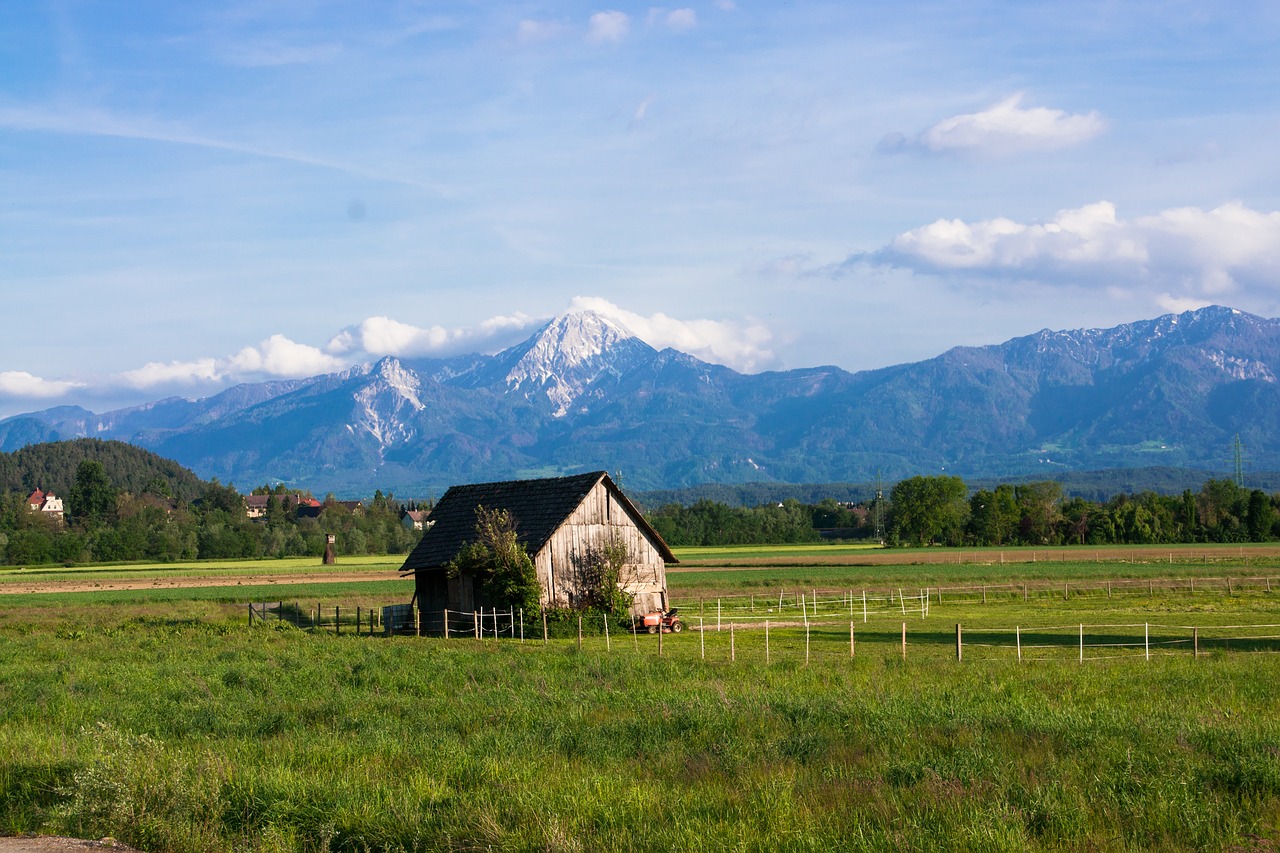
(168, 723)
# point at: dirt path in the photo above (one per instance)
(192, 582)
(57, 844)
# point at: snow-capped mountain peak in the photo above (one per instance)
(569, 354)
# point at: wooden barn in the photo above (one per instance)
(557, 520)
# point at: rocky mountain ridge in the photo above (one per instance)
(584, 393)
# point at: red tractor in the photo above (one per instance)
(668, 622)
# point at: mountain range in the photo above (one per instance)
(583, 393)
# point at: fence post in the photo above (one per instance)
(902, 602)
(417, 621)
(475, 624)
(1195, 642)
(984, 593)
(1018, 633)
(1082, 643)
(251, 614)
(544, 627)
(522, 624)
(806, 643)
(659, 637)
(851, 642)
(717, 617)
(864, 605)
(1146, 639)
(359, 619)
(280, 612)
(766, 641)
(371, 612)
(959, 643)
(446, 623)
(733, 650)
(904, 640)
(579, 632)
(337, 620)
(702, 638)
(608, 645)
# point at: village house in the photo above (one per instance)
(255, 506)
(45, 502)
(415, 519)
(559, 520)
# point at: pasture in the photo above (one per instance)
(159, 717)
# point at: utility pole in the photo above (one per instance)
(879, 509)
(1239, 459)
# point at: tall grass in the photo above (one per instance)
(194, 733)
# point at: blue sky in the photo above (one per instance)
(193, 195)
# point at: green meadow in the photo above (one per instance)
(167, 722)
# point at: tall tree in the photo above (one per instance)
(92, 501)
(929, 509)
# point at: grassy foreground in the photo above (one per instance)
(183, 730)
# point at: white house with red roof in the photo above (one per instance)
(46, 502)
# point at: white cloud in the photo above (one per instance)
(1004, 128)
(742, 346)
(609, 26)
(381, 336)
(1200, 252)
(173, 373)
(726, 5)
(19, 383)
(530, 31)
(279, 356)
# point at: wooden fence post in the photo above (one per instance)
(851, 641)
(337, 620)
(446, 623)
(251, 614)
(733, 649)
(904, 640)
(1195, 642)
(1017, 630)
(1082, 643)
(544, 627)
(1146, 639)
(608, 646)
(959, 643)
(659, 637)
(806, 643)
(475, 624)
(417, 621)
(359, 619)
(702, 638)
(766, 641)
(579, 632)
(864, 605)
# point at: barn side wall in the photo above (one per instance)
(597, 520)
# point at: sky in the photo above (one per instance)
(194, 195)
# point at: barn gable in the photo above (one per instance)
(557, 519)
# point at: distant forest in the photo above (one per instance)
(123, 503)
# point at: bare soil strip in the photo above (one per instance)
(153, 582)
(987, 556)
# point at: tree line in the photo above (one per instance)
(103, 523)
(943, 510)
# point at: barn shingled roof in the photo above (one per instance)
(538, 506)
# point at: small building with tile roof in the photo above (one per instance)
(558, 520)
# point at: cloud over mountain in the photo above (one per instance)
(1195, 252)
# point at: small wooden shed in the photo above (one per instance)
(557, 520)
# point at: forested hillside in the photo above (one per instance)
(124, 503)
(52, 467)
